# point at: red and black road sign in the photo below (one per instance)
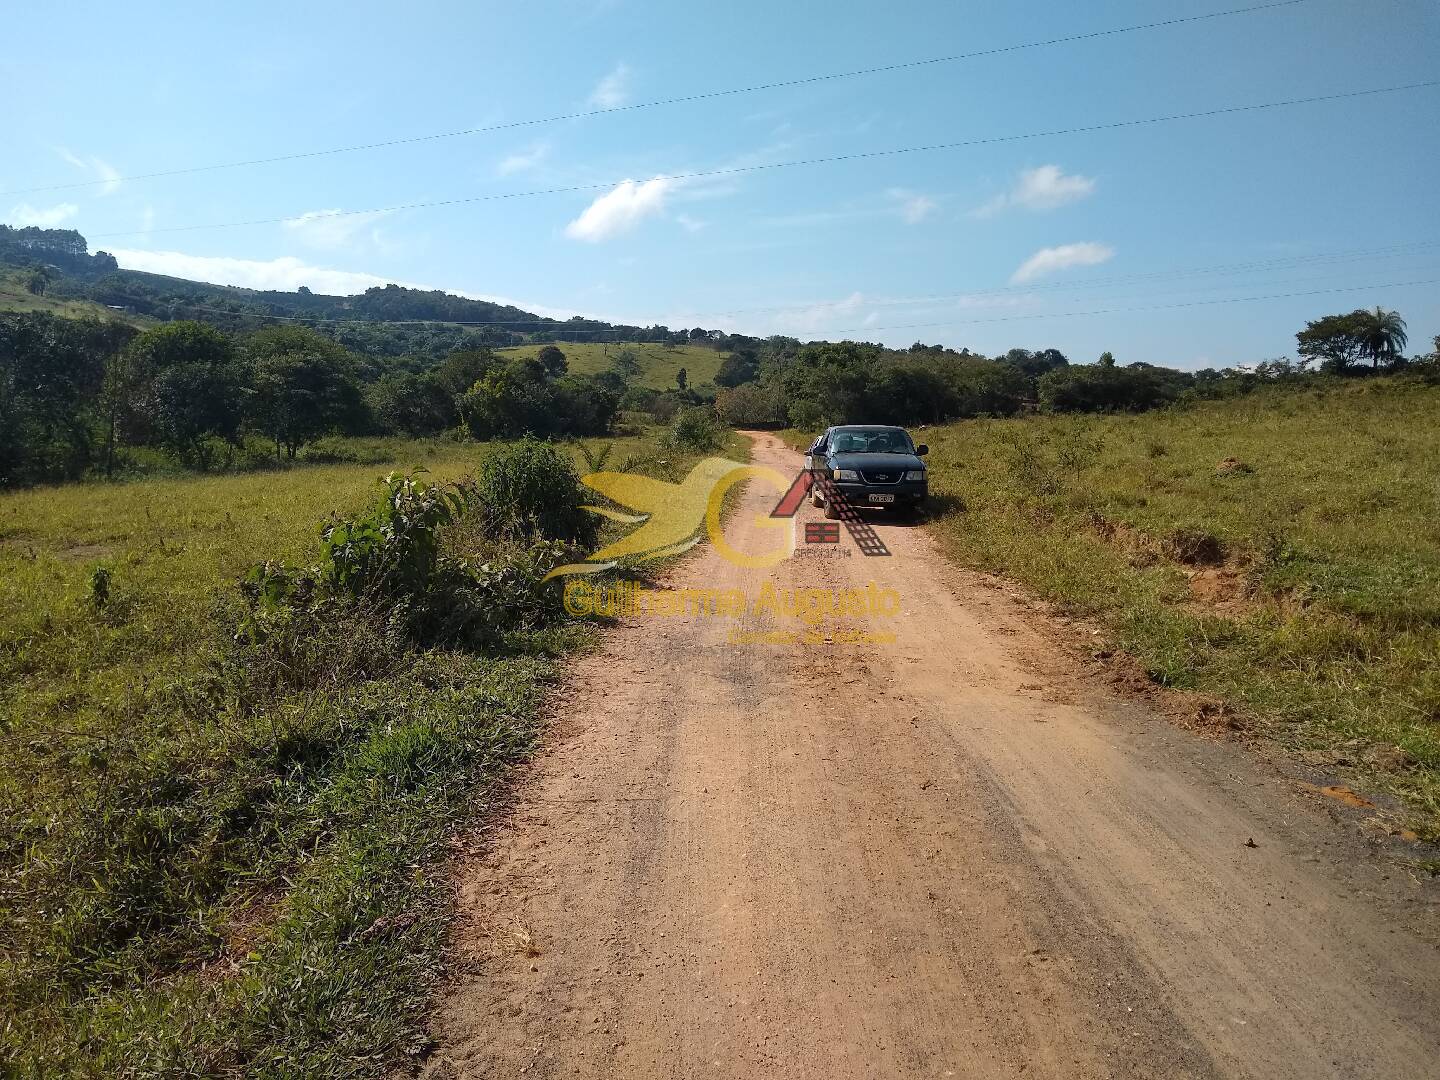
(866, 538)
(822, 532)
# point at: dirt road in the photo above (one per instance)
(950, 854)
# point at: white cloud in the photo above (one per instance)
(914, 207)
(992, 300)
(910, 206)
(817, 318)
(522, 160)
(330, 229)
(802, 320)
(613, 90)
(47, 217)
(286, 274)
(690, 224)
(109, 174)
(1044, 188)
(1048, 260)
(621, 209)
(103, 170)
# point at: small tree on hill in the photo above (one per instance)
(1338, 342)
(463, 368)
(739, 367)
(192, 384)
(303, 386)
(625, 364)
(553, 360)
(38, 279)
(1383, 336)
(1033, 364)
(1428, 367)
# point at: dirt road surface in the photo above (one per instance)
(953, 854)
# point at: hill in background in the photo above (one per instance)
(659, 365)
(15, 295)
(388, 320)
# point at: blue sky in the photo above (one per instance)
(985, 247)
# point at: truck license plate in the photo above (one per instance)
(882, 498)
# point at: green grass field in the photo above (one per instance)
(219, 859)
(15, 297)
(659, 363)
(1279, 551)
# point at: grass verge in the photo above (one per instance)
(219, 858)
(1279, 551)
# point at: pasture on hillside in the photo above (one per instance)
(659, 364)
(15, 297)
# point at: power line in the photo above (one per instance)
(681, 100)
(559, 328)
(541, 323)
(1134, 310)
(1279, 263)
(549, 323)
(831, 160)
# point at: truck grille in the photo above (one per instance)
(879, 476)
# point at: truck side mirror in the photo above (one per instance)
(921, 450)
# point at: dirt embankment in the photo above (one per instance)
(916, 844)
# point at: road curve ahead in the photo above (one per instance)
(920, 844)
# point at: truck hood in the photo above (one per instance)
(876, 462)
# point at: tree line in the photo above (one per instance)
(77, 394)
(781, 381)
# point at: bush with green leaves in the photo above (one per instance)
(527, 396)
(393, 568)
(210, 880)
(51, 374)
(1428, 367)
(696, 429)
(750, 405)
(530, 490)
(394, 551)
(1104, 387)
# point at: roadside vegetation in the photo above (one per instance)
(1279, 552)
(1263, 535)
(241, 716)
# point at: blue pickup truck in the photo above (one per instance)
(868, 466)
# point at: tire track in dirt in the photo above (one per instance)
(946, 855)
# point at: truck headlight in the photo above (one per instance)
(915, 474)
(846, 474)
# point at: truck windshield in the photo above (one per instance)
(872, 441)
